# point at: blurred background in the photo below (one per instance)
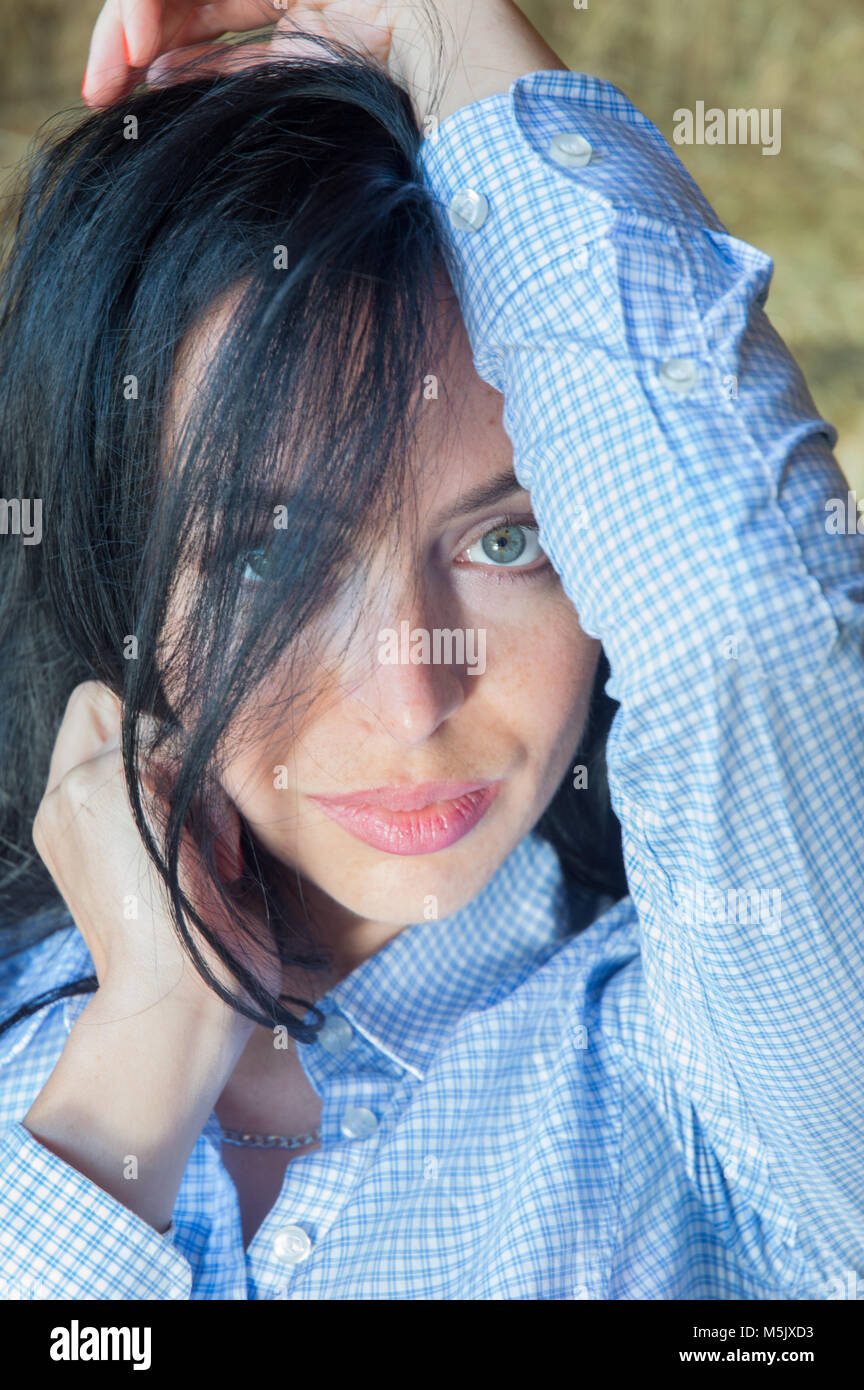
(804, 206)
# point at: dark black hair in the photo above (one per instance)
(295, 187)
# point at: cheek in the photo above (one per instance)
(267, 758)
(543, 670)
(258, 762)
(532, 695)
(262, 783)
(252, 779)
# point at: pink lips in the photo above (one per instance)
(411, 820)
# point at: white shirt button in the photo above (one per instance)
(679, 374)
(569, 148)
(336, 1034)
(291, 1245)
(358, 1122)
(468, 210)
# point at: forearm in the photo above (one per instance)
(684, 513)
(127, 1100)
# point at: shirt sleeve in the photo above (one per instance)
(687, 494)
(63, 1237)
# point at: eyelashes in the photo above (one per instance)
(509, 545)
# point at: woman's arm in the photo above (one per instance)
(679, 473)
(485, 44)
(104, 1144)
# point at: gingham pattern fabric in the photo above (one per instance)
(669, 1103)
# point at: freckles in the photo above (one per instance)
(518, 674)
(546, 654)
(543, 680)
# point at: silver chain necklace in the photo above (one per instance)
(269, 1141)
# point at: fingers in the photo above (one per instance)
(129, 35)
(206, 22)
(155, 39)
(194, 48)
(169, 67)
(90, 727)
(149, 27)
(107, 75)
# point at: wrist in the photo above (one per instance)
(484, 48)
(135, 1085)
(154, 1070)
(189, 1008)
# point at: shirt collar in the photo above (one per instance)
(410, 994)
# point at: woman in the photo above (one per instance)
(359, 438)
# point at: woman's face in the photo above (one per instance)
(500, 701)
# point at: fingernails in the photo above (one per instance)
(125, 48)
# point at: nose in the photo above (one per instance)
(407, 683)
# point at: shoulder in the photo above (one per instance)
(599, 945)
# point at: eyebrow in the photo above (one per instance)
(483, 495)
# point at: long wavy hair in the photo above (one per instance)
(295, 187)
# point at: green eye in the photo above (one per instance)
(510, 544)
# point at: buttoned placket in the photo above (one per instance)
(356, 1082)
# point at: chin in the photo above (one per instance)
(423, 889)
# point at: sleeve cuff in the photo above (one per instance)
(63, 1237)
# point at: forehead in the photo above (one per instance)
(460, 438)
(196, 350)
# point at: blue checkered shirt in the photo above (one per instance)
(660, 1098)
